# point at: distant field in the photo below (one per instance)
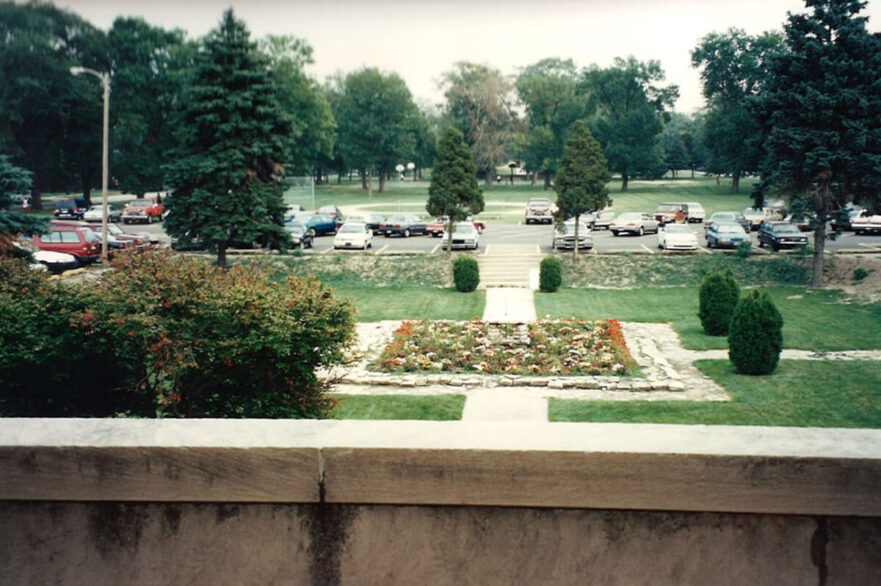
(506, 201)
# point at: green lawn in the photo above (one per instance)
(426, 408)
(812, 319)
(376, 304)
(506, 201)
(799, 393)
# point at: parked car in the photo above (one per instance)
(70, 209)
(777, 205)
(670, 212)
(465, 235)
(564, 236)
(866, 223)
(694, 212)
(373, 221)
(96, 214)
(677, 237)
(634, 223)
(292, 210)
(725, 235)
(538, 209)
(779, 235)
(142, 210)
(843, 218)
(80, 241)
(404, 225)
(757, 216)
(301, 236)
(806, 223)
(54, 262)
(334, 212)
(353, 235)
(436, 226)
(727, 218)
(319, 224)
(138, 240)
(600, 220)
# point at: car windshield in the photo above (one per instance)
(730, 229)
(626, 217)
(540, 202)
(140, 204)
(114, 229)
(352, 229)
(785, 229)
(463, 227)
(569, 226)
(295, 227)
(360, 219)
(678, 229)
(668, 207)
(397, 220)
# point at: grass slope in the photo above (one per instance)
(399, 407)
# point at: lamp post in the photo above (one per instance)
(105, 84)
(512, 165)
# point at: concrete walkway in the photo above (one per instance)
(509, 305)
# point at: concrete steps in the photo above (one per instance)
(509, 265)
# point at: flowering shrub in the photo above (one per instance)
(544, 347)
(169, 335)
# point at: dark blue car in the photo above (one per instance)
(318, 224)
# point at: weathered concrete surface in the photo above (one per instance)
(99, 544)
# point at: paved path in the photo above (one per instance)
(509, 305)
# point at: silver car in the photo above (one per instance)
(564, 237)
(633, 223)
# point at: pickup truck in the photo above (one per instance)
(866, 223)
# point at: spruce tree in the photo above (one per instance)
(233, 135)
(581, 179)
(453, 191)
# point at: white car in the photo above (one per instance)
(677, 237)
(96, 214)
(353, 235)
(696, 213)
(465, 235)
(634, 223)
(565, 238)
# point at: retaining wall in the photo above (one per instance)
(348, 502)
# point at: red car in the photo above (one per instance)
(437, 226)
(80, 241)
(142, 210)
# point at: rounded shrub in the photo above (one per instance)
(755, 338)
(719, 294)
(550, 275)
(466, 274)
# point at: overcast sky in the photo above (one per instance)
(421, 39)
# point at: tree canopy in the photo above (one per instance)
(821, 113)
(479, 106)
(233, 138)
(627, 109)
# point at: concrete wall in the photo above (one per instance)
(280, 502)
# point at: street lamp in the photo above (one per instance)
(105, 84)
(512, 165)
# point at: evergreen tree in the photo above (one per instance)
(581, 179)
(233, 137)
(453, 191)
(15, 180)
(821, 113)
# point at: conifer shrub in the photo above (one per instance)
(466, 273)
(755, 338)
(550, 275)
(719, 294)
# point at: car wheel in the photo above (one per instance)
(775, 247)
(614, 232)
(641, 230)
(406, 232)
(311, 233)
(661, 245)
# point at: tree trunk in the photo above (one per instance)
(36, 193)
(534, 178)
(692, 171)
(363, 175)
(382, 180)
(221, 255)
(450, 235)
(547, 180)
(369, 183)
(735, 182)
(819, 251)
(624, 180)
(488, 179)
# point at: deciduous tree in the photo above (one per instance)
(627, 108)
(479, 105)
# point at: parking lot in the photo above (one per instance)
(498, 232)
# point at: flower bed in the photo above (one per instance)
(567, 347)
